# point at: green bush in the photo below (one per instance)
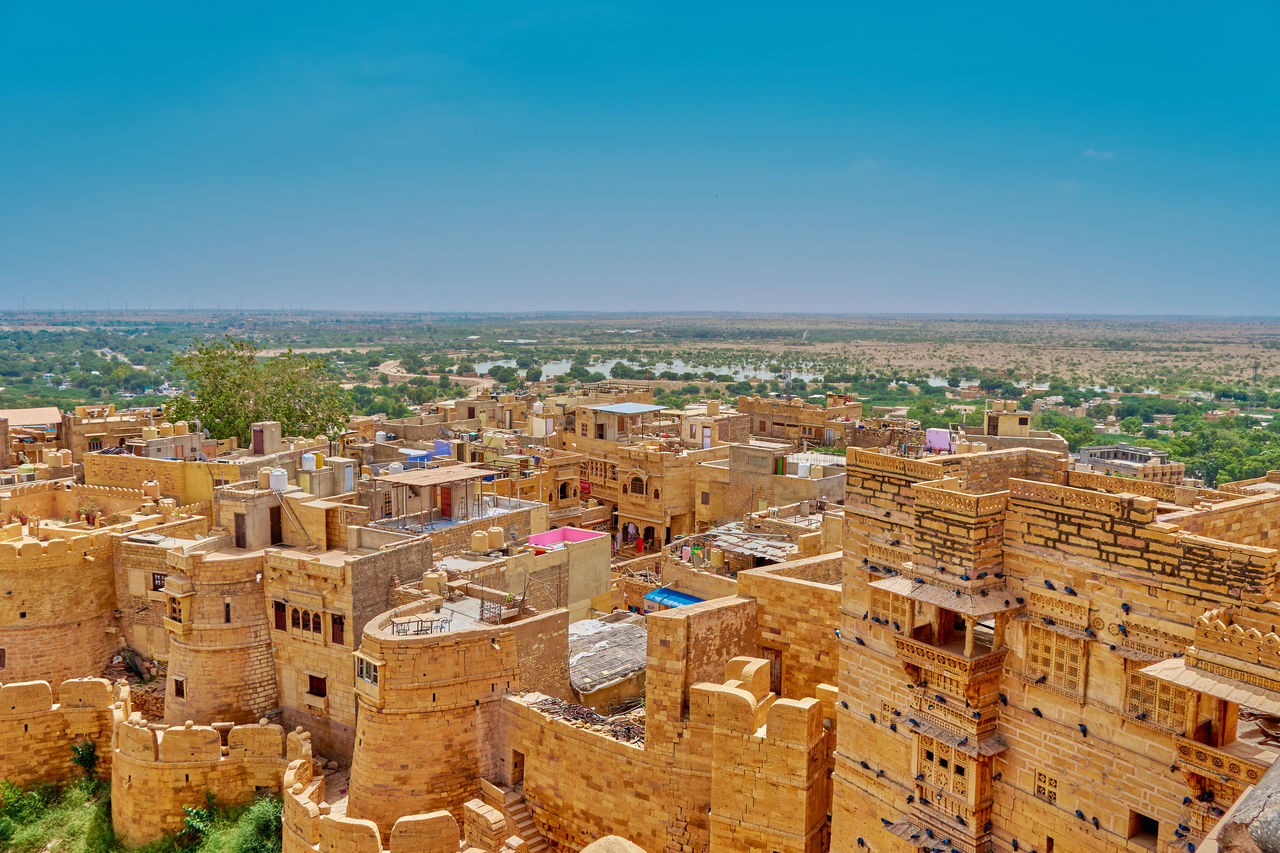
(259, 829)
(77, 817)
(85, 756)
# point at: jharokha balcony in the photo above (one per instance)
(1230, 671)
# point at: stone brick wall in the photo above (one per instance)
(228, 669)
(1250, 521)
(1075, 766)
(450, 683)
(56, 607)
(142, 608)
(737, 771)
(309, 826)
(36, 734)
(581, 785)
(457, 538)
(700, 583)
(770, 764)
(157, 770)
(1120, 531)
(794, 617)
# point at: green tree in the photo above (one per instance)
(412, 362)
(234, 388)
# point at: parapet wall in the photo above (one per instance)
(309, 826)
(770, 776)
(797, 605)
(56, 607)
(157, 770)
(1248, 521)
(450, 683)
(1121, 531)
(36, 734)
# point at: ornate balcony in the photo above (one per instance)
(950, 661)
(1195, 757)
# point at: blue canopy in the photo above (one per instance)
(670, 598)
(628, 408)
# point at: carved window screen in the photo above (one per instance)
(1057, 657)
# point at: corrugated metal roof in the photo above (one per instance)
(604, 653)
(731, 537)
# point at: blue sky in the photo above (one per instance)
(975, 158)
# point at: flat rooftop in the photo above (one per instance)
(459, 615)
(627, 408)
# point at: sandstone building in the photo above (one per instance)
(899, 650)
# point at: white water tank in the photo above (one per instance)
(537, 407)
(379, 436)
(278, 480)
(308, 462)
(395, 468)
(802, 470)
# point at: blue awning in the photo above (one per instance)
(627, 408)
(670, 598)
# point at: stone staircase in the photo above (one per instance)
(519, 819)
(520, 822)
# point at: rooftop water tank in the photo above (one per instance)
(495, 537)
(802, 470)
(308, 462)
(395, 468)
(537, 407)
(479, 541)
(379, 436)
(434, 581)
(278, 481)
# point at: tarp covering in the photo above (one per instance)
(670, 598)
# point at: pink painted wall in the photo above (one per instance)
(562, 535)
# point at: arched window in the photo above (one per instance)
(637, 486)
(296, 619)
(306, 620)
(316, 624)
(655, 494)
(564, 491)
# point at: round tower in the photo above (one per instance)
(410, 687)
(57, 599)
(220, 663)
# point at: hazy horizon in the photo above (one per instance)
(997, 161)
